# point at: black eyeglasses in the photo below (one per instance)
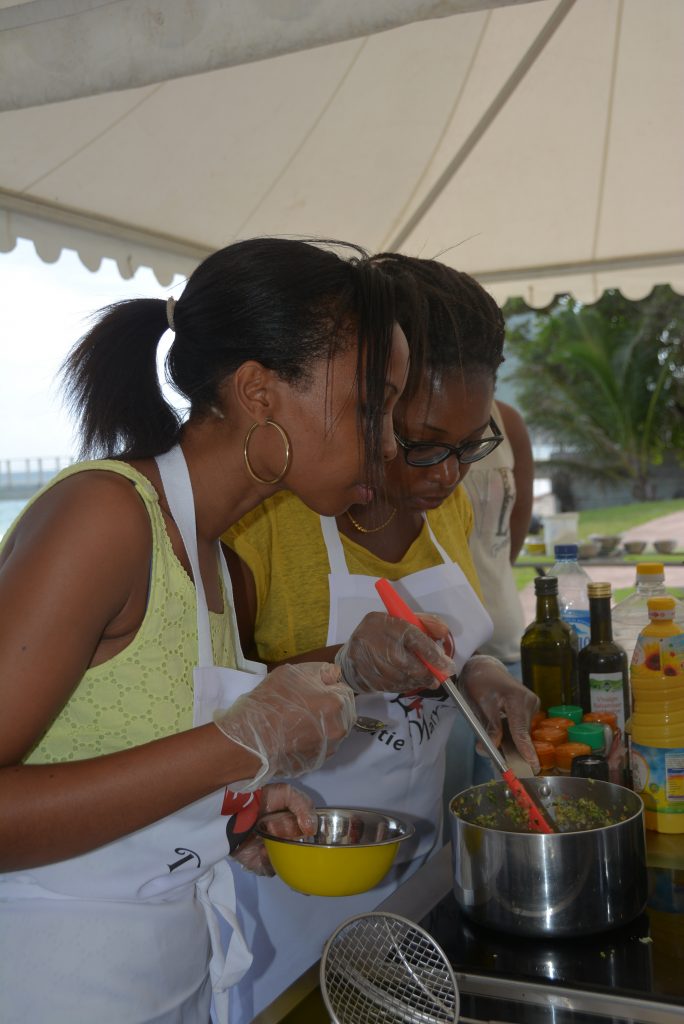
(423, 453)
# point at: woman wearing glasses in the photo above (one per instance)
(307, 583)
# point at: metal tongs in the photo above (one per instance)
(538, 817)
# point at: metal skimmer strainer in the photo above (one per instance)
(382, 969)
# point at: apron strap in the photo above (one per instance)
(175, 478)
(333, 544)
(229, 597)
(444, 556)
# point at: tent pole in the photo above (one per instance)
(499, 101)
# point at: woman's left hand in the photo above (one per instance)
(297, 818)
(496, 693)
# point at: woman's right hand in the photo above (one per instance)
(292, 721)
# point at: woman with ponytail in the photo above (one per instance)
(136, 741)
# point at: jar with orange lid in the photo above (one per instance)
(604, 717)
(566, 754)
(557, 723)
(572, 711)
(537, 717)
(549, 734)
(546, 752)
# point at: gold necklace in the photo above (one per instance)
(373, 529)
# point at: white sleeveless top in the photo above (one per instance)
(491, 488)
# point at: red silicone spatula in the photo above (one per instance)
(538, 818)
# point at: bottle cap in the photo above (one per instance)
(544, 585)
(650, 569)
(590, 733)
(550, 734)
(599, 589)
(573, 711)
(565, 551)
(590, 766)
(556, 723)
(567, 752)
(604, 717)
(661, 607)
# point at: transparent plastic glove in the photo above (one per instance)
(297, 818)
(494, 692)
(292, 721)
(380, 655)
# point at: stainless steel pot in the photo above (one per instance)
(570, 883)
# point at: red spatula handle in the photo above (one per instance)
(396, 606)
(523, 798)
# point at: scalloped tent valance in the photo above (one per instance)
(536, 144)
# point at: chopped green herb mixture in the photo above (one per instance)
(571, 814)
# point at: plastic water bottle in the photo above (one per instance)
(573, 599)
(631, 614)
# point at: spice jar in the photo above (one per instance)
(590, 766)
(546, 752)
(573, 711)
(605, 717)
(566, 754)
(598, 735)
(537, 717)
(550, 734)
(557, 723)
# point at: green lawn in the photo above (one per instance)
(612, 520)
(623, 517)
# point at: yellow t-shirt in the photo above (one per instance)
(145, 691)
(282, 543)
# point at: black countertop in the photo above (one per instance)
(632, 974)
(635, 972)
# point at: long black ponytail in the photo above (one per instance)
(282, 302)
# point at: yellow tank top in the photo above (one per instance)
(144, 692)
(282, 543)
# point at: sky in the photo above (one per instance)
(44, 310)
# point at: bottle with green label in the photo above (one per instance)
(603, 673)
(602, 665)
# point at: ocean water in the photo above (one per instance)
(9, 510)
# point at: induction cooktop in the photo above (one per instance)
(635, 973)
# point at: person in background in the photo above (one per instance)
(136, 741)
(500, 489)
(501, 493)
(305, 581)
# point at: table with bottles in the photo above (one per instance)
(622, 667)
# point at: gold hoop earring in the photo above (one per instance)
(286, 442)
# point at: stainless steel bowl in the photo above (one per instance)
(346, 826)
(570, 883)
(352, 850)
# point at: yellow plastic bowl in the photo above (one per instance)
(350, 853)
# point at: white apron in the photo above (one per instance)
(128, 933)
(399, 769)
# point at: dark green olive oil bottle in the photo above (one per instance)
(602, 664)
(548, 650)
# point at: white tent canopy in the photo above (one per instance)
(537, 145)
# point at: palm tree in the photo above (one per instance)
(604, 384)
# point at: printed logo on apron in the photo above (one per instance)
(398, 768)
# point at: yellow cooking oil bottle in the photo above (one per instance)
(657, 724)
